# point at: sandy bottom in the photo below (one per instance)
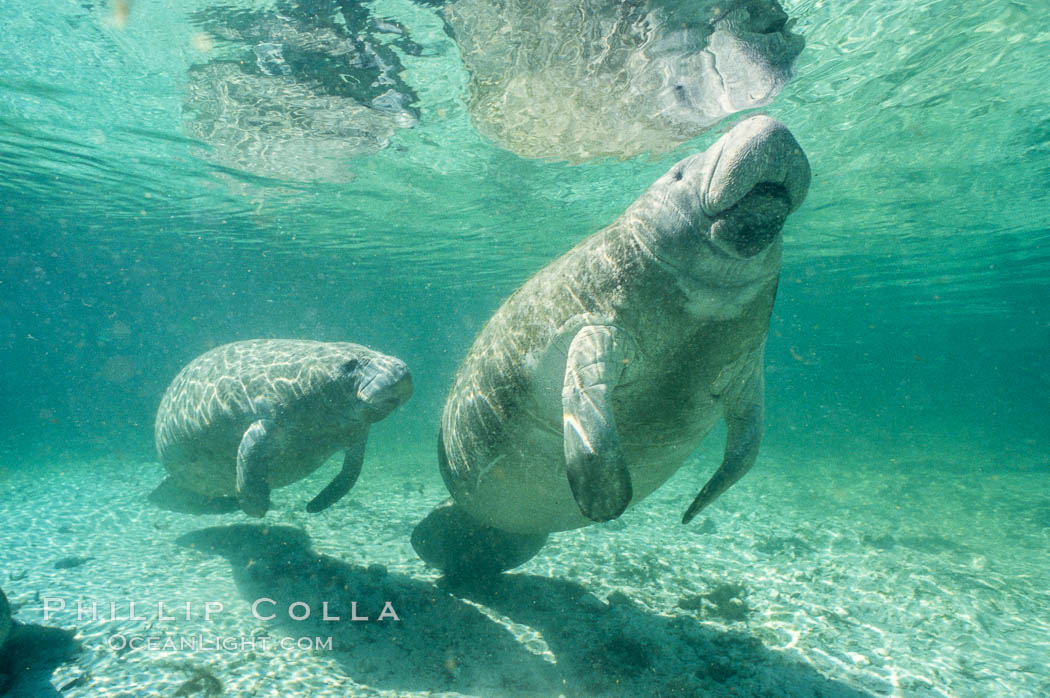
(911, 577)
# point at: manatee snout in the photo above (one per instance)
(757, 151)
(750, 225)
(388, 387)
(757, 176)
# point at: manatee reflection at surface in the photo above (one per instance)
(297, 91)
(577, 80)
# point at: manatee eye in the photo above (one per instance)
(677, 174)
(350, 366)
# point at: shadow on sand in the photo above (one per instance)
(572, 643)
(30, 656)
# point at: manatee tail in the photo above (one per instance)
(170, 496)
(465, 549)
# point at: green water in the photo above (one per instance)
(912, 322)
(914, 279)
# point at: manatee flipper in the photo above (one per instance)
(744, 415)
(253, 457)
(594, 460)
(169, 495)
(465, 549)
(353, 458)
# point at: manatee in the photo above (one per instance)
(250, 416)
(604, 78)
(593, 382)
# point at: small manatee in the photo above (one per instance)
(250, 416)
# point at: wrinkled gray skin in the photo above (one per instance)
(250, 416)
(592, 383)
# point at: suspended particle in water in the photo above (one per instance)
(118, 16)
(203, 42)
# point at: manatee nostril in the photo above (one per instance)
(749, 225)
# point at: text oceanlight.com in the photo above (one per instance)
(228, 643)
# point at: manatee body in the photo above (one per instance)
(250, 416)
(593, 382)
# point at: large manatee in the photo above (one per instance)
(593, 382)
(577, 80)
